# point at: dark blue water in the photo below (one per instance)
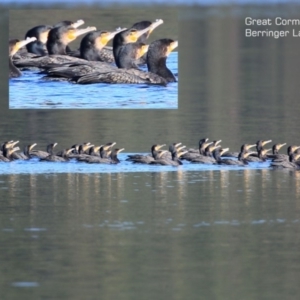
(30, 91)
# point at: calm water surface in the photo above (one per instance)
(159, 235)
(30, 91)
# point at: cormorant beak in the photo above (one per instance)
(249, 153)
(162, 152)
(181, 153)
(111, 35)
(265, 151)
(217, 142)
(224, 151)
(203, 141)
(70, 150)
(120, 150)
(87, 147)
(206, 145)
(77, 23)
(33, 145)
(171, 47)
(21, 44)
(281, 145)
(97, 148)
(13, 144)
(54, 145)
(250, 146)
(25, 42)
(180, 148)
(73, 33)
(159, 146)
(85, 30)
(295, 148)
(215, 147)
(15, 149)
(137, 33)
(155, 24)
(106, 147)
(266, 142)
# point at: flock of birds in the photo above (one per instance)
(47, 49)
(208, 153)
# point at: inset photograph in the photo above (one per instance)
(83, 59)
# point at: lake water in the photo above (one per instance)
(30, 91)
(80, 231)
(150, 234)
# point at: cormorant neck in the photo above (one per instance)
(57, 48)
(241, 158)
(159, 67)
(103, 153)
(13, 70)
(201, 150)
(155, 154)
(118, 42)
(114, 158)
(36, 47)
(126, 57)
(216, 155)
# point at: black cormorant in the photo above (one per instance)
(291, 163)
(146, 159)
(7, 154)
(43, 154)
(55, 158)
(174, 161)
(275, 151)
(38, 46)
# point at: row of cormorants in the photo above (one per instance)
(207, 153)
(48, 50)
